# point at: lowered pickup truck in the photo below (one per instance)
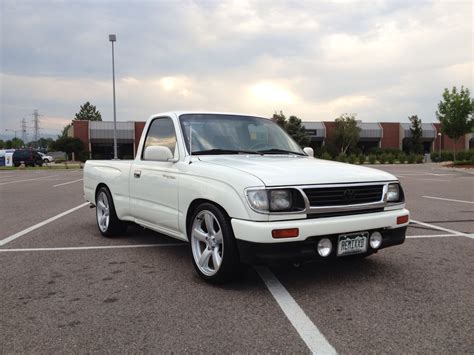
(240, 190)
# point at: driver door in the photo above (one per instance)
(154, 183)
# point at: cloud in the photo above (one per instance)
(383, 60)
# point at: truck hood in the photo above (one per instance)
(290, 170)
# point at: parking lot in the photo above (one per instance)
(64, 288)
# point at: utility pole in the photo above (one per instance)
(112, 39)
(23, 130)
(36, 126)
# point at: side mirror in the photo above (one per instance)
(309, 151)
(158, 153)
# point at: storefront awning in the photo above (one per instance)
(103, 131)
(429, 130)
(316, 130)
(369, 130)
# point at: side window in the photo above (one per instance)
(161, 132)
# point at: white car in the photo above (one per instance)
(46, 158)
(240, 190)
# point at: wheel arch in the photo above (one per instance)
(197, 202)
(99, 186)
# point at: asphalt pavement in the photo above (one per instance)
(65, 288)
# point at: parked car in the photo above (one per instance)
(240, 190)
(28, 157)
(46, 158)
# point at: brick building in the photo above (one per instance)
(98, 136)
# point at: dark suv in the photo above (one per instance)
(29, 157)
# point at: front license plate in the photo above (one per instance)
(354, 243)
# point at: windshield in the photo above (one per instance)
(233, 134)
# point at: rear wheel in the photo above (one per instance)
(213, 247)
(107, 220)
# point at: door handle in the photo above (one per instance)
(137, 174)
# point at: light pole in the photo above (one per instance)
(439, 146)
(113, 38)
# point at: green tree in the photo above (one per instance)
(455, 113)
(2, 144)
(15, 143)
(68, 145)
(294, 127)
(65, 131)
(416, 134)
(44, 143)
(88, 112)
(346, 133)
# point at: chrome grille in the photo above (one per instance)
(343, 195)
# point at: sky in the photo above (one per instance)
(383, 60)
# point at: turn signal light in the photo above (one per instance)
(403, 219)
(285, 233)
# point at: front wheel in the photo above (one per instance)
(107, 220)
(214, 250)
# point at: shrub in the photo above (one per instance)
(411, 158)
(342, 158)
(379, 151)
(352, 159)
(402, 158)
(82, 156)
(382, 158)
(326, 156)
(372, 159)
(362, 159)
(465, 155)
(447, 155)
(390, 158)
(419, 159)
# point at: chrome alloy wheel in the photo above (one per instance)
(207, 243)
(103, 211)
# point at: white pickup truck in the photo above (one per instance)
(240, 190)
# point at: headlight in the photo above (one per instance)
(393, 193)
(277, 200)
(258, 199)
(280, 200)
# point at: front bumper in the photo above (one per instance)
(255, 241)
(255, 253)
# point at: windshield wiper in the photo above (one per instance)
(278, 151)
(224, 151)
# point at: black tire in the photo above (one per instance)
(230, 267)
(114, 226)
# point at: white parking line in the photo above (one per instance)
(442, 229)
(41, 224)
(67, 183)
(315, 341)
(432, 236)
(98, 247)
(14, 182)
(437, 180)
(447, 199)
